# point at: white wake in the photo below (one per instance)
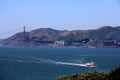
(63, 63)
(72, 64)
(31, 59)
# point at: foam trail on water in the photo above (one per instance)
(72, 64)
(39, 60)
(63, 63)
(31, 59)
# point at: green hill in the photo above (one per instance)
(105, 36)
(112, 75)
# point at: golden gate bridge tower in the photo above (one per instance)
(24, 36)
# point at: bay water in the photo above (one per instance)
(32, 63)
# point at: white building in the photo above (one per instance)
(59, 43)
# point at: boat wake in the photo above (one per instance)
(71, 64)
(61, 63)
(31, 59)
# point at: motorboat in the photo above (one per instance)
(90, 64)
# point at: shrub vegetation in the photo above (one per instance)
(112, 75)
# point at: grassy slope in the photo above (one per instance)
(112, 75)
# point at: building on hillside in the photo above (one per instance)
(58, 43)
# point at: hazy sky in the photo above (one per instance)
(57, 14)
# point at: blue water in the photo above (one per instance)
(21, 63)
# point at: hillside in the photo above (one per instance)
(105, 36)
(112, 75)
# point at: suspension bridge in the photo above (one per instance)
(13, 32)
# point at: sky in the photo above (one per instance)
(57, 14)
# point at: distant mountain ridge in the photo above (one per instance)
(105, 36)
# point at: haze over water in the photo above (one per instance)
(61, 15)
